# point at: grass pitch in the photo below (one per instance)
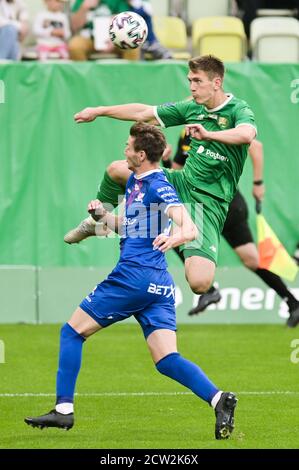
(124, 403)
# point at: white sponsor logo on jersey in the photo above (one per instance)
(210, 153)
(129, 221)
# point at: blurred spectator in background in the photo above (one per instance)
(152, 46)
(52, 30)
(13, 28)
(249, 9)
(82, 16)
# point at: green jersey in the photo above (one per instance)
(104, 8)
(212, 166)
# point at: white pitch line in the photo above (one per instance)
(140, 394)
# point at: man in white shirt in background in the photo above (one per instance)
(13, 28)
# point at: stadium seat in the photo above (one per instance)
(275, 39)
(199, 9)
(222, 36)
(172, 34)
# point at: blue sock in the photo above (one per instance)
(187, 373)
(69, 363)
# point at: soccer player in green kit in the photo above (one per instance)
(221, 127)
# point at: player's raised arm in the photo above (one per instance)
(184, 231)
(242, 134)
(125, 112)
(99, 213)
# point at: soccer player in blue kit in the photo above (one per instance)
(139, 285)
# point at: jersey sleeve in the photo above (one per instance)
(171, 114)
(244, 115)
(165, 194)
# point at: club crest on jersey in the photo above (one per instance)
(222, 122)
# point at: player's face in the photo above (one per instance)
(132, 157)
(203, 89)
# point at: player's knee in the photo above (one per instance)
(199, 285)
(251, 262)
(118, 171)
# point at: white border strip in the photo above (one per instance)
(140, 394)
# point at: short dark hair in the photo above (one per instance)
(209, 64)
(149, 139)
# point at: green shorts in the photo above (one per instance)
(207, 211)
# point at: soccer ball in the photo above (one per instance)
(128, 30)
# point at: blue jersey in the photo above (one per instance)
(147, 199)
(139, 285)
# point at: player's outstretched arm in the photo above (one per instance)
(185, 230)
(124, 112)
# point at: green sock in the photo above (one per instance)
(109, 191)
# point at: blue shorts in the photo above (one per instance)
(130, 289)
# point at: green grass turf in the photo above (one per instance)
(247, 359)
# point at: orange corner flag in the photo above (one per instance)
(272, 254)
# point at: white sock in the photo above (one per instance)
(216, 398)
(65, 408)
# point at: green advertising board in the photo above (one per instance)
(50, 295)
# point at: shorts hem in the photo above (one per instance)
(154, 328)
(92, 315)
(195, 252)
